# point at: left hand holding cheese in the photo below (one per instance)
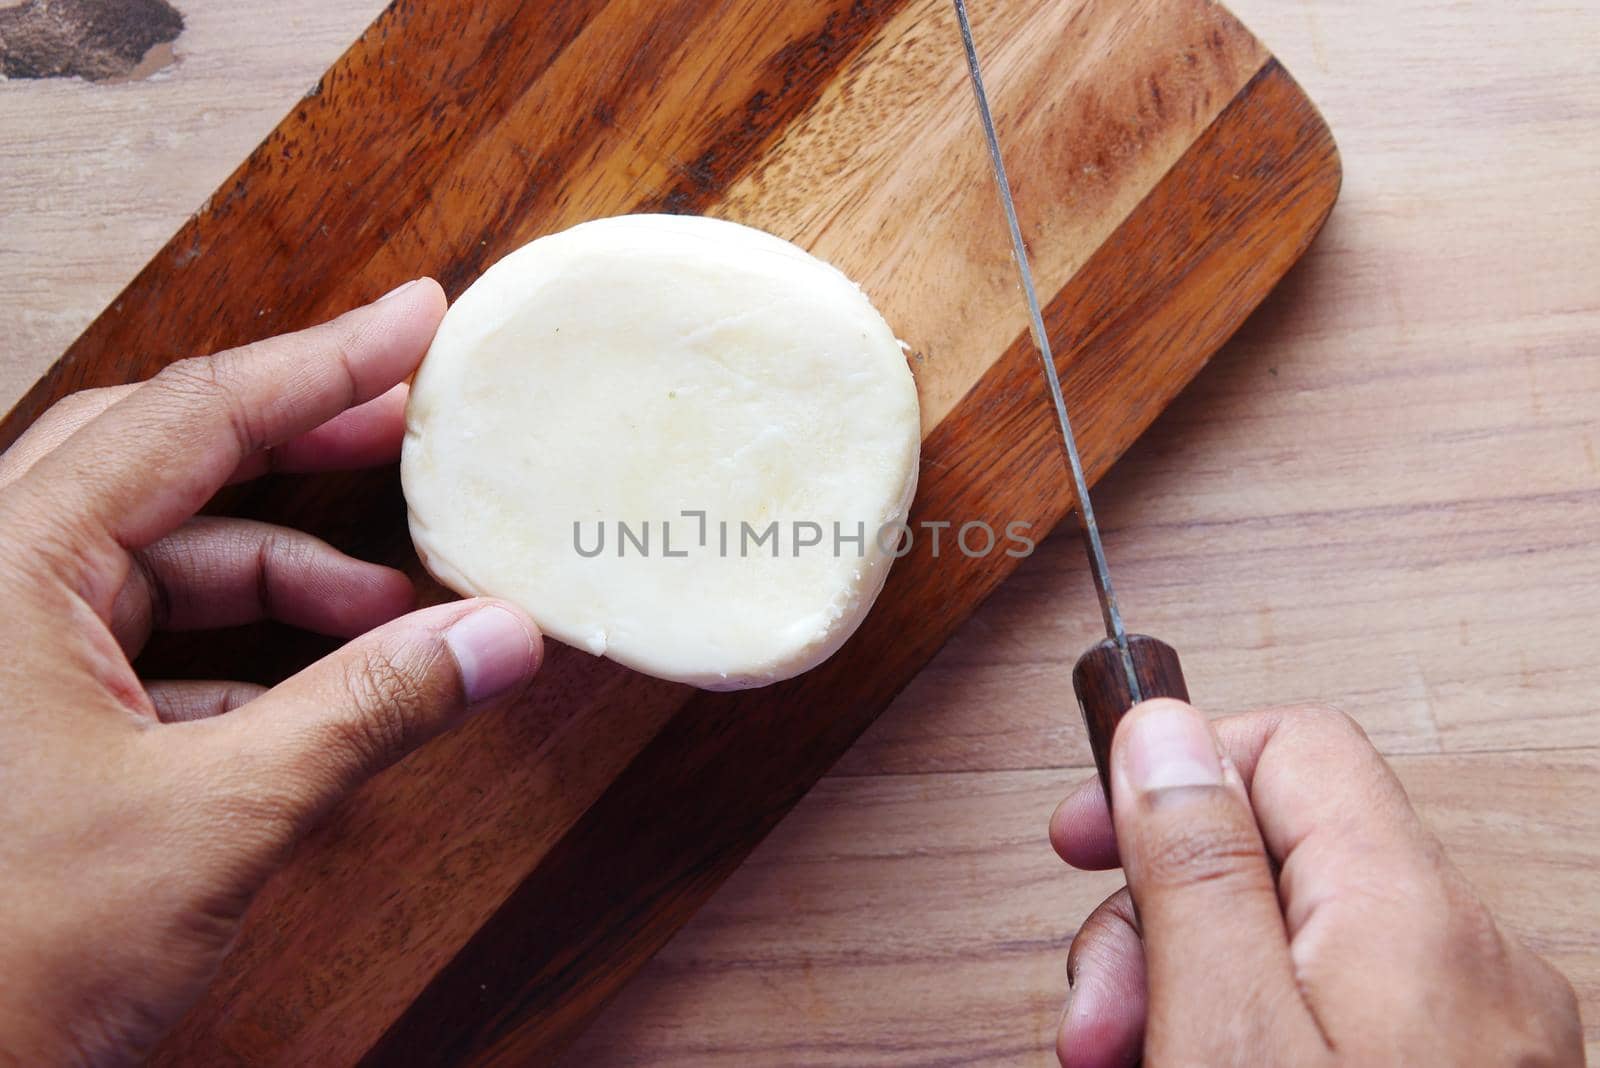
(140, 817)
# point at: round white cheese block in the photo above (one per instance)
(677, 442)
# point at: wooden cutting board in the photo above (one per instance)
(480, 901)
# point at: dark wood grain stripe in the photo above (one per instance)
(343, 198)
(1174, 281)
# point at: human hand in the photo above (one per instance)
(1285, 906)
(140, 818)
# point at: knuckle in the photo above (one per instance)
(1562, 997)
(1108, 935)
(285, 552)
(35, 539)
(1564, 994)
(1549, 1023)
(1195, 855)
(93, 399)
(382, 691)
(275, 554)
(73, 406)
(59, 422)
(157, 597)
(1474, 938)
(68, 412)
(1447, 923)
(347, 347)
(341, 343)
(350, 335)
(237, 695)
(1331, 732)
(1323, 719)
(194, 376)
(202, 381)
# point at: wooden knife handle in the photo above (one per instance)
(1102, 689)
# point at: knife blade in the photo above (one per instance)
(1125, 669)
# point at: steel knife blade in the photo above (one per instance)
(1147, 668)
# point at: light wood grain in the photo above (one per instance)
(889, 123)
(94, 177)
(1267, 527)
(923, 919)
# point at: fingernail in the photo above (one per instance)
(397, 290)
(493, 650)
(1170, 745)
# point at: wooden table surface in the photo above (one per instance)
(1384, 493)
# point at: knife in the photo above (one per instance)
(1124, 669)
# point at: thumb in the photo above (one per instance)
(322, 732)
(1207, 901)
